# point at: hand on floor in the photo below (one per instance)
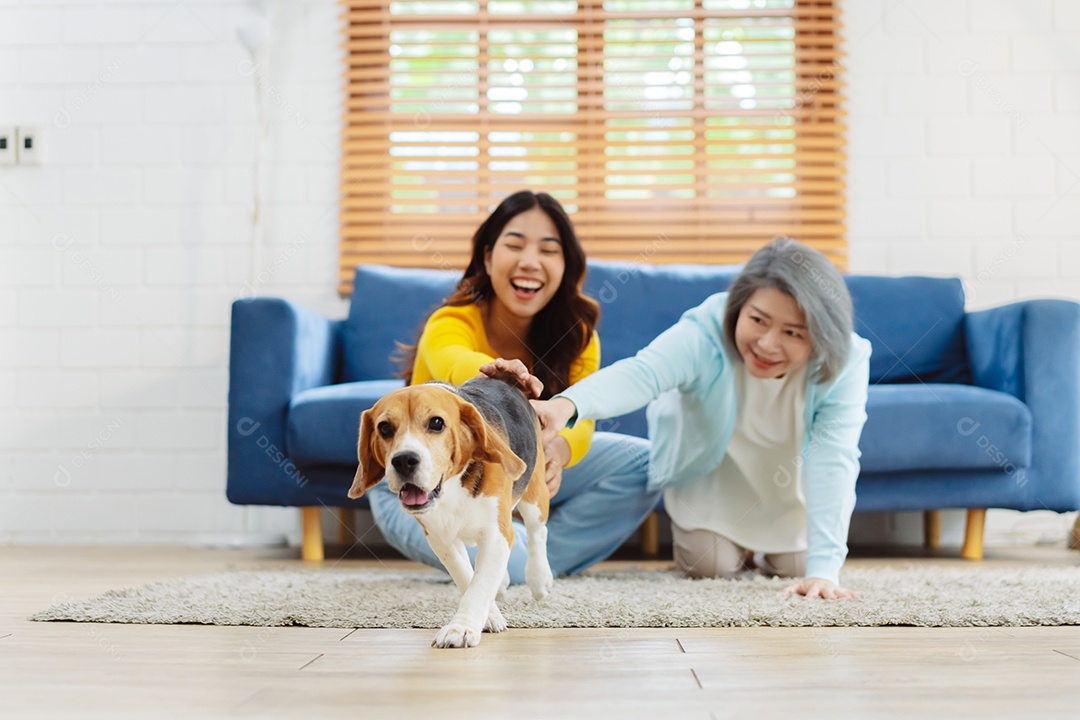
(816, 587)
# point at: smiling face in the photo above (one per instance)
(526, 264)
(771, 334)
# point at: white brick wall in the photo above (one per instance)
(120, 255)
(969, 111)
(964, 159)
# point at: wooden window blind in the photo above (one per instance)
(670, 130)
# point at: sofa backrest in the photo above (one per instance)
(915, 324)
(389, 305)
(638, 301)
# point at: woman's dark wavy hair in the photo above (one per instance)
(561, 331)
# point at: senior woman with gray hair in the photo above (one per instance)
(758, 398)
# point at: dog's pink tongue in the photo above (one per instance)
(412, 495)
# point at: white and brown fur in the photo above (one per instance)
(475, 451)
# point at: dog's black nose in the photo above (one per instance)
(405, 463)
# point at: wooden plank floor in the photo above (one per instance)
(68, 670)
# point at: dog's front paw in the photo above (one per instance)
(456, 635)
(496, 623)
(539, 579)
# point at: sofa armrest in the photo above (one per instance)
(277, 349)
(1031, 351)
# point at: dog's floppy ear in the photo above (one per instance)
(489, 445)
(371, 470)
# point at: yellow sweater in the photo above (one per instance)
(454, 345)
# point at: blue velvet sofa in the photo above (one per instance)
(966, 410)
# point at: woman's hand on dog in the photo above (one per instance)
(553, 414)
(556, 449)
(556, 457)
(817, 587)
(513, 372)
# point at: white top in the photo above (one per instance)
(755, 497)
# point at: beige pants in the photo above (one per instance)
(705, 554)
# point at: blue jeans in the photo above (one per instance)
(600, 503)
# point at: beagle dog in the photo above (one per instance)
(461, 459)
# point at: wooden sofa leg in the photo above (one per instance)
(932, 528)
(973, 536)
(311, 522)
(1074, 541)
(650, 535)
(346, 529)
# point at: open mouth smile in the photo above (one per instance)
(415, 499)
(525, 288)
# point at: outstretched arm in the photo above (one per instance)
(674, 359)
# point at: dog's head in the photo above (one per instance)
(418, 437)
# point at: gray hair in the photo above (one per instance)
(808, 276)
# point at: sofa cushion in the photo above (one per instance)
(389, 305)
(944, 426)
(938, 426)
(915, 325)
(324, 422)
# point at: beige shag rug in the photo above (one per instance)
(922, 596)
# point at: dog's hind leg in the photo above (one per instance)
(537, 570)
(502, 587)
(496, 623)
(533, 507)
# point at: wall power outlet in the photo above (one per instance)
(7, 145)
(29, 145)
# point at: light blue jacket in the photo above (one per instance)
(687, 377)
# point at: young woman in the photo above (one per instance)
(520, 299)
(760, 398)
